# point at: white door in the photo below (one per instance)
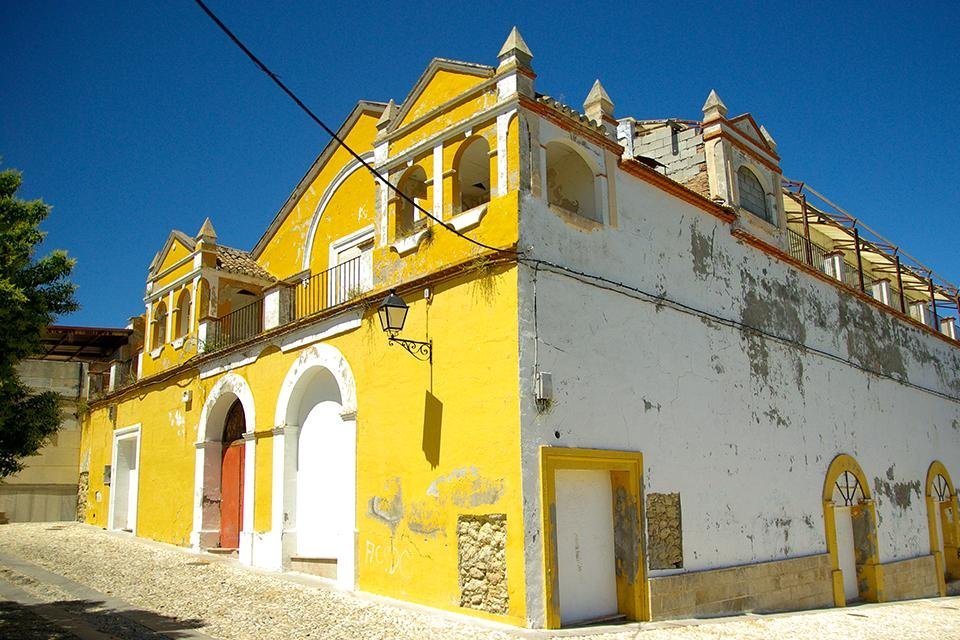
(845, 554)
(125, 483)
(324, 483)
(585, 553)
(133, 486)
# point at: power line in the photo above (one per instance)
(276, 79)
(639, 294)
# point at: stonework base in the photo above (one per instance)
(909, 579)
(798, 583)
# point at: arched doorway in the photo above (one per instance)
(942, 521)
(223, 471)
(231, 477)
(315, 491)
(851, 530)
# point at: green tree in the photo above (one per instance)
(32, 292)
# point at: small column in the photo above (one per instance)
(249, 483)
(948, 327)
(277, 306)
(599, 107)
(833, 265)
(206, 496)
(920, 311)
(284, 503)
(516, 74)
(881, 291)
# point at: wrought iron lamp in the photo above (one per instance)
(393, 313)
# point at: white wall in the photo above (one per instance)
(743, 427)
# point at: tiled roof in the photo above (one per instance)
(570, 112)
(240, 262)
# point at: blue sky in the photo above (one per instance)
(135, 118)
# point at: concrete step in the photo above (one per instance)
(323, 567)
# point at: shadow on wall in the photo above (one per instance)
(35, 621)
(432, 426)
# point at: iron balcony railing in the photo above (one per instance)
(237, 326)
(336, 286)
(331, 288)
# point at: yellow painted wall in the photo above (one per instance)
(443, 86)
(177, 252)
(283, 255)
(420, 131)
(442, 440)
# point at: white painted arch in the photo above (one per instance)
(316, 410)
(328, 194)
(206, 494)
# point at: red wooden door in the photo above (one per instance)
(231, 495)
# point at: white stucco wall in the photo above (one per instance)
(744, 427)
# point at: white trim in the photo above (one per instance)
(410, 243)
(438, 181)
(350, 240)
(469, 218)
(449, 133)
(285, 452)
(339, 179)
(207, 464)
(333, 326)
(125, 433)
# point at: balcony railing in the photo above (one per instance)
(332, 287)
(237, 326)
(325, 290)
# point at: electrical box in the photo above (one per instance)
(544, 385)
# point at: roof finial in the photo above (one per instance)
(714, 108)
(389, 113)
(515, 47)
(207, 233)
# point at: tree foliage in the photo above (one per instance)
(32, 292)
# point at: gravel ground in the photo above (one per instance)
(235, 602)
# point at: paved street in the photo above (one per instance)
(75, 582)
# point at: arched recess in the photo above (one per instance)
(753, 197)
(229, 390)
(850, 520)
(471, 179)
(314, 482)
(182, 326)
(571, 182)
(413, 184)
(942, 511)
(328, 194)
(158, 331)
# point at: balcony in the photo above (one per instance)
(828, 239)
(289, 303)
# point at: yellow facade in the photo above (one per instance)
(436, 442)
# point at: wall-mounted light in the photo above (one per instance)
(393, 313)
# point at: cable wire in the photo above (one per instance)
(293, 96)
(639, 294)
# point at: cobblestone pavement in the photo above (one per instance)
(75, 582)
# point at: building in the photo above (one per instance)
(641, 373)
(47, 488)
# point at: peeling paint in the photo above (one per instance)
(466, 488)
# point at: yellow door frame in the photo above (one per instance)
(946, 563)
(871, 571)
(626, 476)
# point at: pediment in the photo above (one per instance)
(746, 125)
(177, 247)
(442, 80)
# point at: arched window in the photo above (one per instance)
(570, 182)
(183, 314)
(472, 177)
(413, 184)
(752, 196)
(159, 324)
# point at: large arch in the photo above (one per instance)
(328, 194)
(571, 181)
(315, 447)
(207, 466)
(850, 519)
(942, 510)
